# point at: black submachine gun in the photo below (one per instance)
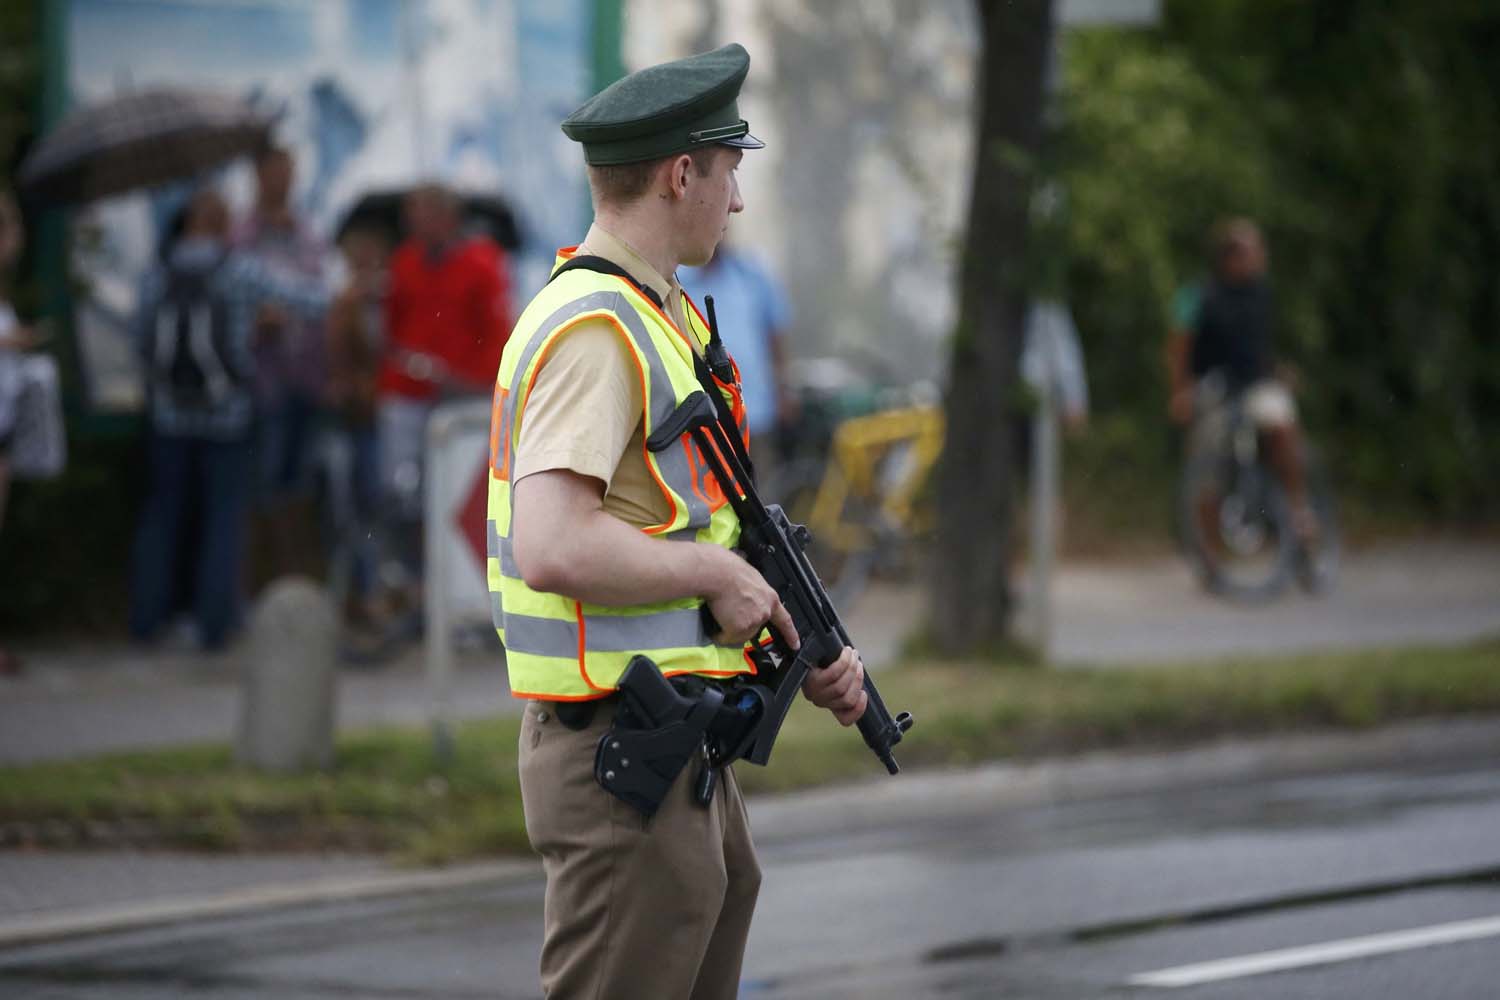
(777, 549)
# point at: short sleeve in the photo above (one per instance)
(583, 407)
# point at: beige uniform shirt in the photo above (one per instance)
(584, 410)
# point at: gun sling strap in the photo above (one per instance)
(718, 358)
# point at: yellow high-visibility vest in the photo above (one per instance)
(556, 647)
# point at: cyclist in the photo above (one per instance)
(1223, 351)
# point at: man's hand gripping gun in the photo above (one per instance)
(777, 549)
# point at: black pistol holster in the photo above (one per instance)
(661, 724)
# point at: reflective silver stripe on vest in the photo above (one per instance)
(497, 546)
(680, 627)
(491, 539)
(508, 565)
(673, 461)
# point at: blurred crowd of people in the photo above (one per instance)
(288, 384)
(285, 417)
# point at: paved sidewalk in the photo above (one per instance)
(1435, 592)
(90, 698)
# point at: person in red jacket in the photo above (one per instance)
(447, 316)
(448, 313)
(449, 308)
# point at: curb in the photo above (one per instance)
(18, 931)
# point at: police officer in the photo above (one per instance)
(602, 548)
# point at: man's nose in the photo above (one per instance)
(736, 203)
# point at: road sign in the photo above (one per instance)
(470, 515)
(455, 589)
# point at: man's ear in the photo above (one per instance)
(678, 170)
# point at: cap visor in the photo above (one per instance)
(746, 141)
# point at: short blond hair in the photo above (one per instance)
(623, 183)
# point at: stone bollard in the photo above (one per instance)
(287, 703)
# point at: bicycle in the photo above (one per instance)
(1235, 519)
(863, 492)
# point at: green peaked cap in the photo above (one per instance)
(661, 110)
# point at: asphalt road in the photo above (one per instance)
(961, 892)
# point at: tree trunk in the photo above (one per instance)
(971, 594)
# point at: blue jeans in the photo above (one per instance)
(200, 483)
(353, 503)
(283, 441)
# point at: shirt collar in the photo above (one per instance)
(600, 242)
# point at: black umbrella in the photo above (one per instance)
(382, 210)
(140, 141)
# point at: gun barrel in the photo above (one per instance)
(880, 731)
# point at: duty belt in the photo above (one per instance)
(660, 725)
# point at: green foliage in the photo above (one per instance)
(1364, 137)
(388, 792)
(20, 69)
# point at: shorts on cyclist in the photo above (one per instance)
(1267, 403)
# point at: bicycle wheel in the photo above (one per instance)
(1237, 526)
(1318, 562)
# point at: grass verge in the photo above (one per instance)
(389, 792)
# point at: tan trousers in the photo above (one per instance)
(656, 910)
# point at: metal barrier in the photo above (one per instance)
(456, 475)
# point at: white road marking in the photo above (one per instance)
(1319, 954)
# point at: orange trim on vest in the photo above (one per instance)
(606, 692)
(736, 398)
(658, 310)
(583, 670)
(768, 640)
(499, 432)
(536, 369)
(736, 395)
(528, 695)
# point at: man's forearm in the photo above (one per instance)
(1178, 347)
(592, 556)
(613, 564)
